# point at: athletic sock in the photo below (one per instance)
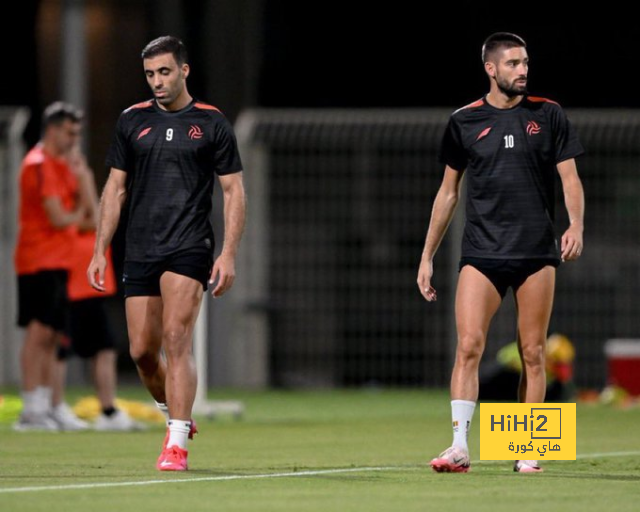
(109, 411)
(44, 395)
(30, 401)
(164, 410)
(178, 433)
(461, 416)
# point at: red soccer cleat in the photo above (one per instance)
(173, 459)
(452, 460)
(527, 466)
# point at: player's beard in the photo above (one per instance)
(168, 99)
(511, 89)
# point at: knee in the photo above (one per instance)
(143, 356)
(470, 348)
(106, 356)
(176, 342)
(40, 335)
(533, 355)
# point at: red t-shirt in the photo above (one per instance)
(78, 287)
(41, 246)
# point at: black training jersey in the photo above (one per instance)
(510, 158)
(170, 159)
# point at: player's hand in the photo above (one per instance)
(224, 271)
(424, 280)
(78, 162)
(95, 272)
(571, 244)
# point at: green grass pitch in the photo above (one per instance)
(317, 451)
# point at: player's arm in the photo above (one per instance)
(572, 243)
(113, 198)
(57, 215)
(234, 220)
(444, 207)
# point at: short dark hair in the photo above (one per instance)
(58, 112)
(166, 44)
(498, 41)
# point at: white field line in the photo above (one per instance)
(204, 479)
(291, 474)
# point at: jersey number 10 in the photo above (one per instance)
(508, 141)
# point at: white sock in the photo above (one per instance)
(31, 401)
(164, 410)
(461, 416)
(44, 398)
(178, 433)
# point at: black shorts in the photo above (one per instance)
(143, 279)
(508, 273)
(89, 327)
(43, 296)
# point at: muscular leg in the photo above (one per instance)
(181, 296)
(144, 323)
(477, 301)
(534, 300)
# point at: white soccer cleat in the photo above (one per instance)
(35, 421)
(527, 466)
(452, 460)
(66, 419)
(119, 421)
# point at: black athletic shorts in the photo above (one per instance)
(89, 327)
(143, 279)
(508, 273)
(43, 296)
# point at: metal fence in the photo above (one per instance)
(340, 202)
(12, 124)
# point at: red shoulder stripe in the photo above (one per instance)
(144, 104)
(475, 104)
(205, 106)
(536, 99)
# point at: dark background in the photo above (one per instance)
(288, 53)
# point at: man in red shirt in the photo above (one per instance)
(50, 210)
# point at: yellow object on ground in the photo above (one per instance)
(10, 407)
(88, 408)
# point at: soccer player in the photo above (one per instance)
(510, 145)
(51, 206)
(163, 160)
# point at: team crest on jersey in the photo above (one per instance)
(195, 132)
(143, 133)
(533, 128)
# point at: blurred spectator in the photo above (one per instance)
(500, 378)
(90, 334)
(50, 209)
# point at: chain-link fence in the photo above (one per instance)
(343, 201)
